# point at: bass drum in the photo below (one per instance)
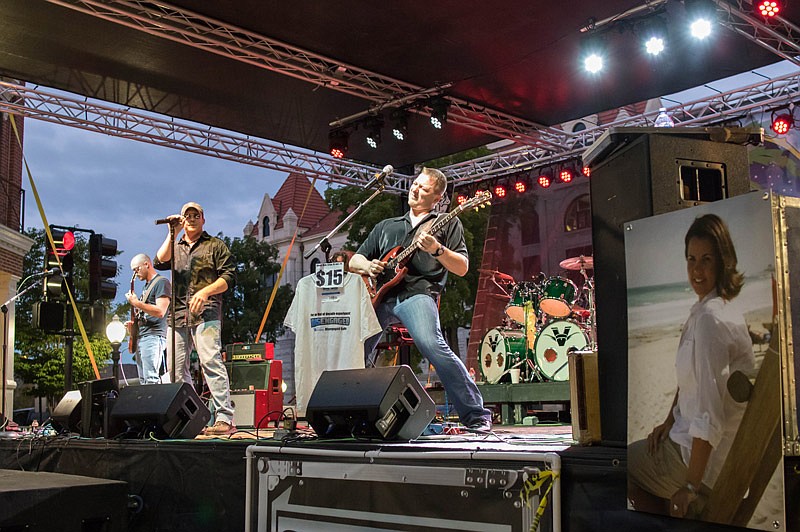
(501, 349)
(553, 344)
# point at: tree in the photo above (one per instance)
(38, 355)
(243, 306)
(346, 198)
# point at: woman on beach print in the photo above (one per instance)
(673, 470)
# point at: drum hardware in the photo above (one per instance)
(577, 263)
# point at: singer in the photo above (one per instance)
(414, 300)
(203, 271)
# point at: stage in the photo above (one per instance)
(244, 483)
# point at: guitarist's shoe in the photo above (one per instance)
(220, 428)
(481, 425)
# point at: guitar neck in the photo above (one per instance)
(438, 224)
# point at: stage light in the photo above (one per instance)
(438, 106)
(586, 171)
(653, 32)
(701, 15)
(337, 143)
(399, 118)
(782, 123)
(500, 191)
(373, 125)
(520, 185)
(544, 180)
(566, 175)
(593, 52)
(767, 8)
(462, 198)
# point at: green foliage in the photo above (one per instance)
(243, 307)
(346, 198)
(39, 356)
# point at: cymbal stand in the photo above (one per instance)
(588, 285)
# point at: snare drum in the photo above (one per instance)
(501, 349)
(558, 296)
(553, 344)
(524, 292)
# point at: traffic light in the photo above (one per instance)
(102, 270)
(55, 283)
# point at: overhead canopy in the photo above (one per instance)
(518, 57)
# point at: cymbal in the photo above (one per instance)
(577, 263)
(500, 275)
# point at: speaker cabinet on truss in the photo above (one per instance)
(637, 173)
(169, 410)
(381, 403)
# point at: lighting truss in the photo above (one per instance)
(213, 36)
(61, 108)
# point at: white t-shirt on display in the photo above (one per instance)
(331, 325)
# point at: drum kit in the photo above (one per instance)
(545, 319)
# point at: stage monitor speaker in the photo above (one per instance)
(97, 400)
(379, 403)
(169, 410)
(645, 172)
(66, 415)
(257, 375)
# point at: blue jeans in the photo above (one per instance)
(149, 357)
(205, 339)
(420, 315)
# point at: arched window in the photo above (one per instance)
(265, 227)
(579, 214)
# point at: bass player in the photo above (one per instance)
(413, 300)
(151, 319)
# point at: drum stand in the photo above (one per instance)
(590, 323)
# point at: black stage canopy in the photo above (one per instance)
(519, 57)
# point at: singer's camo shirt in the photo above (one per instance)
(196, 267)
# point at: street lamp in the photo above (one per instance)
(115, 332)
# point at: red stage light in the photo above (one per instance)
(566, 175)
(500, 191)
(545, 181)
(782, 124)
(767, 8)
(461, 199)
(586, 171)
(337, 153)
(520, 186)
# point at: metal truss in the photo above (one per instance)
(60, 108)
(213, 36)
(718, 108)
(779, 36)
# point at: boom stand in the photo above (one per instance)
(5, 422)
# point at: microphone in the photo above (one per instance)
(379, 177)
(169, 219)
(47, 273)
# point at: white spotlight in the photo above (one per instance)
(654, 45)
(700, 28)
(593, 63)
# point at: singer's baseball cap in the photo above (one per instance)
(191, 205)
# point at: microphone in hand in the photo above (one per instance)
(172, 219)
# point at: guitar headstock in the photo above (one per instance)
(480, 199)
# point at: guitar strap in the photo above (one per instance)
(146, 293)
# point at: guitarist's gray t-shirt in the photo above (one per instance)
(425, 274)
(150, 325)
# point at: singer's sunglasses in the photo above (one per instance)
(192, 216)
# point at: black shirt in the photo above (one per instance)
(197, 266)
(425, 274)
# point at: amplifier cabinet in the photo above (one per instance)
(584, 397)
(255, 375)
(256, 408)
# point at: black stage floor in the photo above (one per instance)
(200, 485)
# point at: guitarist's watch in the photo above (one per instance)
(439, 252)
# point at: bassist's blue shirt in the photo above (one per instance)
(425, 274)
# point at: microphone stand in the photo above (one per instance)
(4, 421)
(324, 243)
(172, 298)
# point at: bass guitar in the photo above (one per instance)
(397, 258)
(133, 328)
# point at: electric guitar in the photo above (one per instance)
(397, 258)
(133, 328)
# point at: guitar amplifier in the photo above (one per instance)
(256, 375)
(256, 408)
(262, 351)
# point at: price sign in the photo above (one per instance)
(329, 275)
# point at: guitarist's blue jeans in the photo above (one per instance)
(420, 315)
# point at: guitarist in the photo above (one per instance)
(413, 301)
(151, 311)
